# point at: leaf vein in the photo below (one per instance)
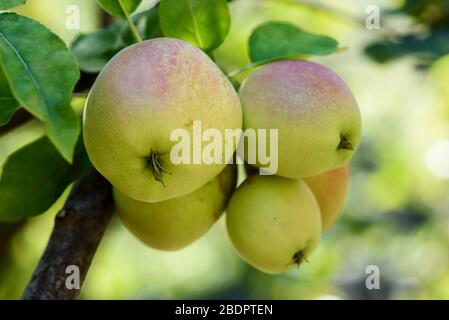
(195, 25)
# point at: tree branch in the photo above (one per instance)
(78, 229)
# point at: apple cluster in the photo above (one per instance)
(274, 221)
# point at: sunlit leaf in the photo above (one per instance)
(8, 4)
(276, 40)
(203, 23)
(41, 73)
(113, 6)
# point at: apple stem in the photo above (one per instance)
(157, 167)
(345, 144)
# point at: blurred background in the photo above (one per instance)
(397, 216)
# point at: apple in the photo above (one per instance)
(273, 222)
(330, 190)
(317, 117)
(174, 224)
(145, 93)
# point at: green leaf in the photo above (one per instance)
(425, 48)
(151, 25)
(35, 176)
(113, 6)
(276, 40)
(8, 4)
(33, 179)
(41, 73)
(8, 103)
(203, 23)
(94, 50)
(7, 109)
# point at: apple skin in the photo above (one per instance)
(331, 191)
(144, 93)
(273, 222)
(311, 107)
(176, 223)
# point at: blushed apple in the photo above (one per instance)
(317, 116)
(141, 96)
(331, 190)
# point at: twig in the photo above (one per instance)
(78, 229)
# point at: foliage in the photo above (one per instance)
(94, 50)
(119, 8)
(39, 74)
(407, 240)
(8, 4)
(427, 45)
(37, 173)
(203, 23)
(8, 104)
(274, 40)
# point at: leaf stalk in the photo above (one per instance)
(131, 24)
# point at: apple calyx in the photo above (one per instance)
(156, 165)
(345, 144)
(298, 258)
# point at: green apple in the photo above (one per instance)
(273, 222)
(141, 97)
(330, 190)
(317, 117)
(174, 224)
